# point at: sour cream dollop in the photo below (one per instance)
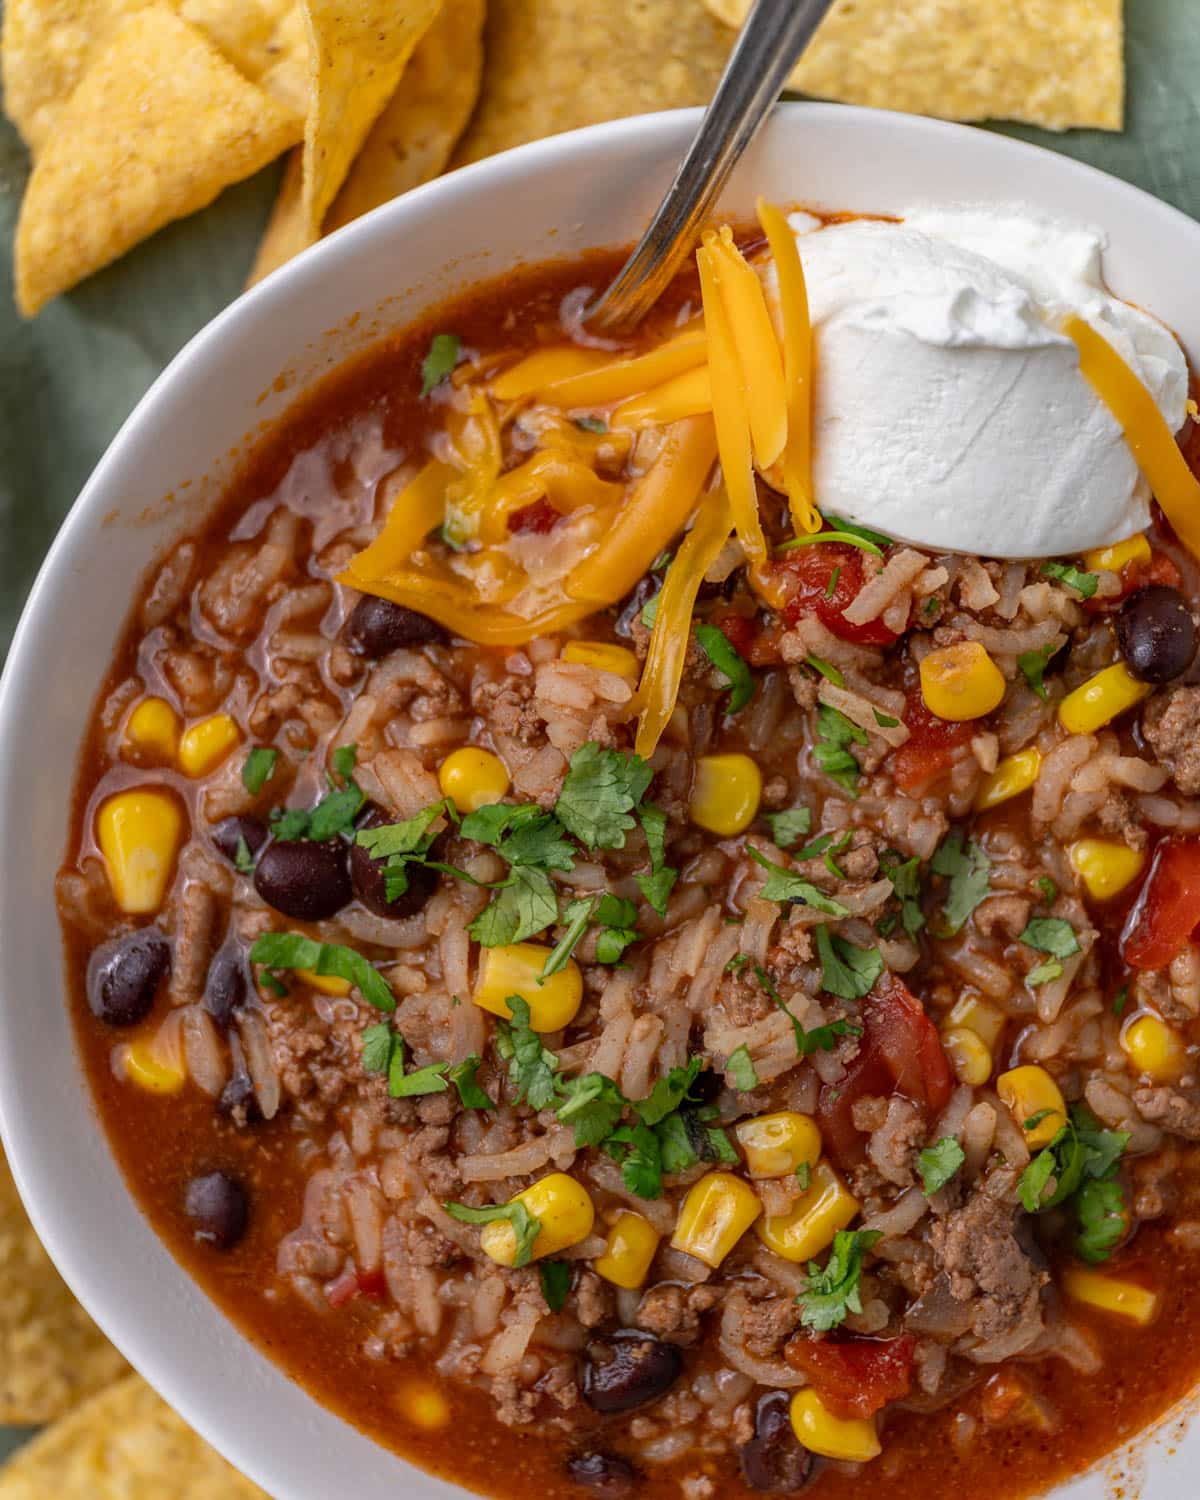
(950, 411)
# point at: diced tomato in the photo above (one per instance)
(1137, 575)
(822, 580)
(855, 1377)
(929, 750)
(354, 1283)
(740, 630)
(1167, 910)
(764, 649)
(540, 516)
(899, 1052)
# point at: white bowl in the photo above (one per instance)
(554, 198)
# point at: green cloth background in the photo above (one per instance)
(69, 379)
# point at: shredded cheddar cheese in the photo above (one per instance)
(622, 377)
(756, 347)
(417, 509)
(686, 395)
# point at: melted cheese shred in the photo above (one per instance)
(757, 348)
(797, 367)
(730, 407)
(686, 395)
(1152, 442)
(417, 509)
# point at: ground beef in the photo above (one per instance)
(767, 1324)
(987, 1269)
(515, 1406)
(1005, 916)
(427, 1151)
(1174, 1111)
(428, 1246)
(1171, 727)
(673, 1312)
(593, 1300)
(507, 702)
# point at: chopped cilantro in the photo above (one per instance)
(1051, 935)
(846, 970)
(638, 1151)
(786, 885)
(555, 1275)
(525, 1226)
(740, 1067)
(576, 915)
(906, 887)
(804, 1175)
(377, 1044)
(599, 792)
(968, 871)
(790, 825)
(820, 1038)
(591, 424)
(289, 824)
(650, 612)
(1103, 1218)
(831, 1293)
(931, 606)
(717, 646)
(835, 733)
(524, 905)
(1033, 666)
(428, 1080)
(592, 1105)
(938, 1163)
(826, 669)
(383, 1052)
(258, 768)
(657, 887)
(273, 983)
(1082, 1162)
(1120, 1000)
(885, 721)
(344, 759)
(292, 950)
(440, 360)
(462, 1075)
(662, 561)
(669, 1092)
(737, 963)
(1048, 889)
(1084, 584)
(243, 860)
(532, 1068)
(1043, 973)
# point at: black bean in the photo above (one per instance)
(644, 590)
(239, 1101)
(225, 987)
(304, 880)
(377, 626)
(774, 1460)
(607, 1473)
(230, 833)
(217, 1206)
(1156, 633)
(636, 1369)
(124, 975)
(369, 882)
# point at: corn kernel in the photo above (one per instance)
(139, 833)
(1155, 1049)
(632, 1243)
(813, 1220)
(204, 746)
(562, 1207)
(152, 731)
(516, 969)
(986, 1021)
(472, 778)
(1119, 555)
(1123, 1299)
(146, 1066)
(1104, 867)
(717, 1211)
(777, 1144)
(424, 1406)
(1028, 1092)
(603, 656)
(970, 1056)
(326, 984)
(853, 1439)
(1101, 699)
(961, 682)
(725, 793)
(1015, 774)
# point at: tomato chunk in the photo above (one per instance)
(929, 750)
(822, 580)
(855, 1377)
(1137, 575)
(354, 1283)
(1167, 910)
(540, 516)
(740, 630)
(900, 1052)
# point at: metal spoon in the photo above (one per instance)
(768, 48)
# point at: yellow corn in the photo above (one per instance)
(152, 731)
(1113, 559)
(1031, 1091)
(814, 1219)
(853, 1439)
(986, 1021)
(327, 984)
(961, 682)
(1015, 774)
(205, 745)
(717, 1211)
(970, 1056)
(472, 778)
(1155, 1049)
(1105, 867)
(632, 1242)
(143, 1065)
(1122, 1299)
(516, 969)
(725, 793)
(777, 1144)
(1101, 699)
(139, 833)
(603, 655)
(561, 1206)
(424, 1405)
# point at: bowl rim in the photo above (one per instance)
(141, 1343)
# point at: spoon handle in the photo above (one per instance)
(767, 49)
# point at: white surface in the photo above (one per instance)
(950, 410)
(552, 198)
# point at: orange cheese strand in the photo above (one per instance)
(729, 412)
(626, 376)
(1158, 456)
(565, 482)
(756, 345)
(797, 367)
(545, 367)
(417, 509)
(672, 630)
(685, 395)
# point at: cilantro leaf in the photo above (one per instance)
(335, 813)
(740, 1067)
(1083, 1151)
(439, 361)
(462, 1075)
(1084, 584)
(636, 1148)
(258, 768)
(618, 921)
(1044, 973)
(885, 721)
(555, 1277)
(289, 824)
(377, 1044)
(826, 669)
(292, 950)
(820, 1038)
(938, 1163)
(968, 871)
(590, 424)
(789, 826)
(1048, 889)
(408, 837)
(906, 887)
(847, 971)
(1033, 666)
(654, 826)
(675, 1146)
(489, 824)
(532, 1068)
(600, 790)
(576, 915)
(538, 841)
(525, 1226)
(831, 1293)
(720, 650)
(835, 733)
(344, 759)
(243, 860)
(593, 1105)
(523, 906)
(1034, 1178)
(1051, 935)
(428, 1080)
(1103, 1218)
(669, 1092)
(786, 885)
(657, 888)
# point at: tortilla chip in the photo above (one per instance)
(1056, 65)
(125, 1444)
(52, 1356)
(265, 39)
(552, 65)
(412, 139)
(157, 127)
